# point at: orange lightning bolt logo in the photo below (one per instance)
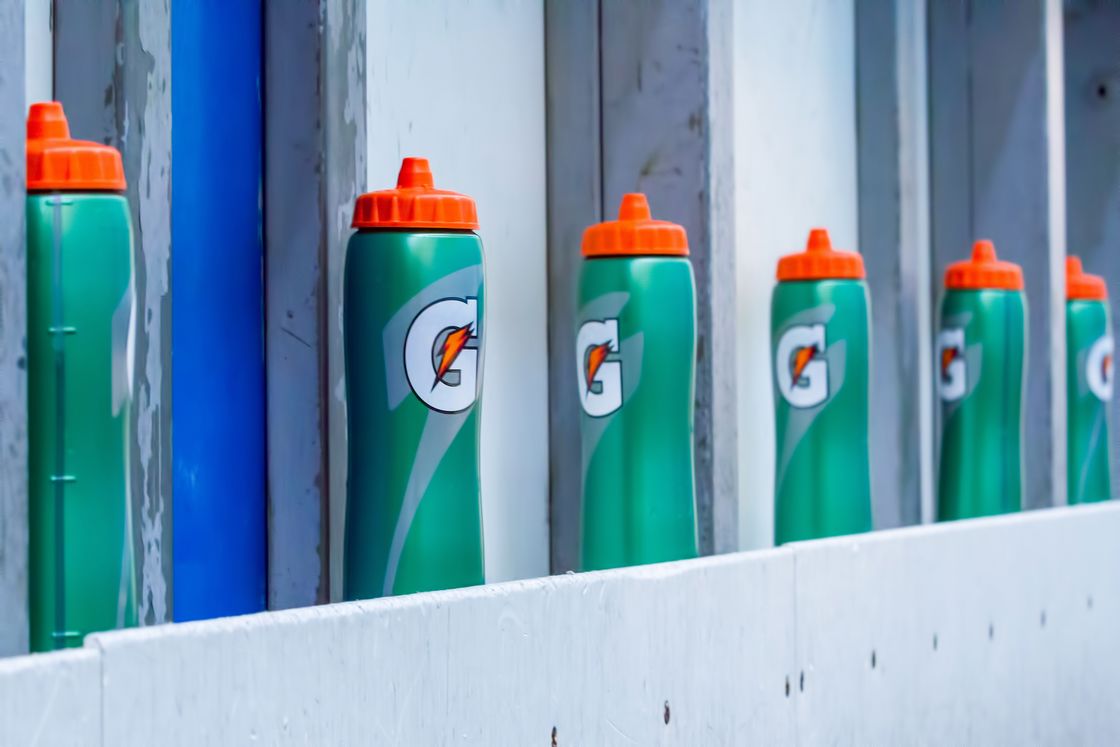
(948, 355)
(801, 359)
(454, 343)
(1106, 367)
(595, 357)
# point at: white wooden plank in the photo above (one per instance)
(463, 85)
(990, 632)
(795, 144)
(669, 654)
(51, 699)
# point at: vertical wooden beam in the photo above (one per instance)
(574, 202)
(1092, 109)
(342, 67)
(295, 352)
(113, 75)
(667, 131)
(894, 239)
(13, 340)
(998, 168)
(315, 146)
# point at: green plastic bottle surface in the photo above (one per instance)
(980, 351)
(635, 373)
(819, 348)
(1089, 350)
(413, 331)
(79, 313)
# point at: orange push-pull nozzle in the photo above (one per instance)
(415, 203)
(57, 163)
(635, 233)
(984, 270)
(1080, 285)
(820, 261)
(415, 174)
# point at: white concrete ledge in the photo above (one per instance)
(1004, 630)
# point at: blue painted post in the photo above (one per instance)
(218, 431)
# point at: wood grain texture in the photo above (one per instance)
(13, 336)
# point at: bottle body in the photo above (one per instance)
(819, 345)
(980, 352)
(1089, 351)
(412, 334)
(80, 311)
(635, 372)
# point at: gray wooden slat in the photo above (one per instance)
(574, 202)
(13, 340)
(667, 130)
(113, 74)
(999, 173)
(295, 252)
(342, 70)
(315, 146)
(893, 225)
(1092, 109)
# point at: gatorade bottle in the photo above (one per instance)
(819, 337)
(1088, 385)
(980, 352)
(79, 337)
(413, 331)
(635, 373)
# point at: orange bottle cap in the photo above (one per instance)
(1082, 286)
(55, 163)
(820, 261)
(415, 203)
(984, 270)
(635, 233)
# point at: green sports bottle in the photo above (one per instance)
(635, 378)
(819, 344)
(980, 350)
(1088, 385)
(80, 321)
(412, 334)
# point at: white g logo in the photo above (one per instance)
(441, 369)
(953, 380)
(600, 380)
(1098, 368)
(800, 366)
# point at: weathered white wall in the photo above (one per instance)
(995, 631)
(463, 85)
(795, 168)
(51, 699)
